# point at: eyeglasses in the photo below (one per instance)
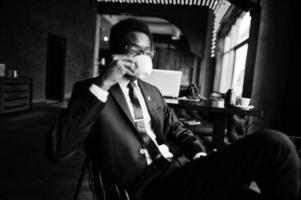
(134, 50)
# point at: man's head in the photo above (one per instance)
(131, 36)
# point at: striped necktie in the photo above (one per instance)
(139, 123)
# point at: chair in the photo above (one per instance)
(105, 189)
(101, 186)
(81, 179)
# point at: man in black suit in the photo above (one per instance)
(132, 135)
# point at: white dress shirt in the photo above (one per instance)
(102, 96)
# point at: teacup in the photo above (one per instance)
(243, 101)
(144, 66)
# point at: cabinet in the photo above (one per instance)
(15, 94)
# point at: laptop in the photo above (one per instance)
(167, 81)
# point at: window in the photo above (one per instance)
(233, 54)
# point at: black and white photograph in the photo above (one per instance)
(149, 100)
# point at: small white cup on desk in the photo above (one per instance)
(243, 101)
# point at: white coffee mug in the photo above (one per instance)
(144, 66)
(243, 101)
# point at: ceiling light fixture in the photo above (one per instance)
(105, 38)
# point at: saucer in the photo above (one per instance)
(244, 107)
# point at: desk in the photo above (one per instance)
(220, 114)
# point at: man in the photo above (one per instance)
(132, 135)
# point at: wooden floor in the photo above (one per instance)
(25, 173)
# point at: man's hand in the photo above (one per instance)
(119, 66)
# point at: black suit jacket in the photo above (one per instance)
(110, 135)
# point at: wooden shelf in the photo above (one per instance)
(15, 94)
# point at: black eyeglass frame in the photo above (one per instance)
(135, 50)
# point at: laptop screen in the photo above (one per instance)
(167, 81)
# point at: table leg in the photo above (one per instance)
(219, 128)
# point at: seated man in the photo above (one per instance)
(134, 137)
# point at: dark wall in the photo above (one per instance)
(23, 38)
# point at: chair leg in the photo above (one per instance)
(102, 187)
(106, 189)
(122, 193)
(81, 178)
(98, 184)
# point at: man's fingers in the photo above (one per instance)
(130, 66)
(129, 71)
(121, 59)
(124, 63)
(124, 57)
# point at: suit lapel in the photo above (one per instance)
(117, 94)
(146, 96)
(149, 100)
